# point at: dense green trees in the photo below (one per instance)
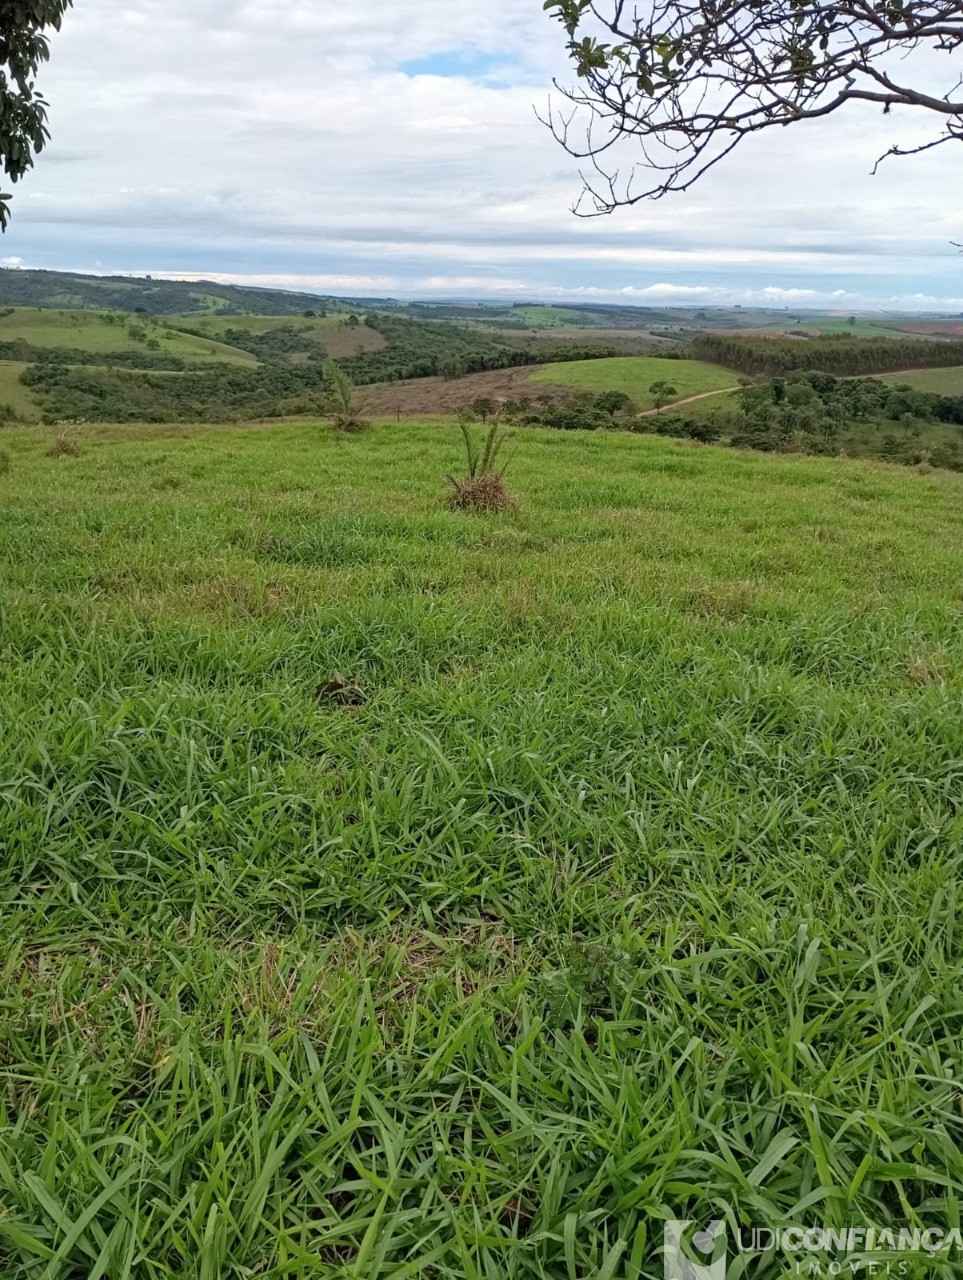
(148, 359)
(837, 354)
(215, 393)
(424, 349)
(813, 412)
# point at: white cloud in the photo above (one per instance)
(276, 140)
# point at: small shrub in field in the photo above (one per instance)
(345, 407)
(513, 411)
(4, 462)
(577, 415)
(64, 446)
(483, 488)
(615, 402)
(662, 392)
(483, 408)
(948, 456)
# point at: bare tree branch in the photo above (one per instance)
(687, 80)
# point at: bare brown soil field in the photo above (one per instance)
(435, 395)
(931, 328)
(341, 343)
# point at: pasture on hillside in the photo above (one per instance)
(617, 879)
(14, 393)
(635, 375)
(945, 382)
(333, 335)
(110, 331)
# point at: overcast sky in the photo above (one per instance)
(391, 147)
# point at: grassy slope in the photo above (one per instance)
(863, 328)
(635, 374)
(89, 331)
(330, 332)
(14, 393)
(631, 889)
(947, 382)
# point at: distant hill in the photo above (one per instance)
(68, 290)
(144, 295)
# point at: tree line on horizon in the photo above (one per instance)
(837, 354)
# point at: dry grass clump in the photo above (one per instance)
(927, 668)
(483, 488)
(65, 445)
(480, 493)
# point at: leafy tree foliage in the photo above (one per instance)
(23, 112)
(424, 349)
(344, 406)
(215, 393)
(687, 80)
(810, 411)
(483, 408)
(838, 354)
(29, 354)
(662, 392)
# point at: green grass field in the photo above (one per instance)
(14, 393)
(635, 375)
(863, 328)
(92, 331)
(946, 382)
(628, 890)
(330, 332)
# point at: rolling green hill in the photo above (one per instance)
(110, 332)
(946, 382)
(634, 375)
(62, 289)
(333, 335)
(13, 393)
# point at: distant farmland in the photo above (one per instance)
(931, 328)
